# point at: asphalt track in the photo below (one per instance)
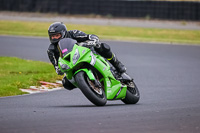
(168, 77)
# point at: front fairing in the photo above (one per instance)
(72, 60)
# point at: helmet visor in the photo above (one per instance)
(55, 36)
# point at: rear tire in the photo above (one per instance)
(132, 94)
(95, 95)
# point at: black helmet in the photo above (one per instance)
(55, 28)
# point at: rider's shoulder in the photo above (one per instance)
(51, 47)
(75, 32)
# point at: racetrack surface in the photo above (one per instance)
(168, 77)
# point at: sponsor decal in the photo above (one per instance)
(64, 50)
(108, 83)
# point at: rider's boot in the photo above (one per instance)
(117, 64)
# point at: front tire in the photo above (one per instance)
(132, 94)
(95, 95)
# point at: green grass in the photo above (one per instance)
(16, 73)
(27, 28)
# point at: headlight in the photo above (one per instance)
(64, 67)
(76, 56)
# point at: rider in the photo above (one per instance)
(58, 30)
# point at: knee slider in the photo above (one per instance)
(66, 84)
(106, 50)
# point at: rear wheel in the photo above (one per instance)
(132, 94)
(93, 93)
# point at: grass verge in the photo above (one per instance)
(27, 28)
(16, 73)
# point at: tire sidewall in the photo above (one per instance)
(130, 97)
(80, 79)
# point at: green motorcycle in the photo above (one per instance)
(94, 75)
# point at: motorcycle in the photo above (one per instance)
(94, 75)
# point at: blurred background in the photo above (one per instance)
(149, 9)
(168, 76)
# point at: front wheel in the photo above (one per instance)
(132, 94)
(93, 93)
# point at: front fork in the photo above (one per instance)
(91, 76)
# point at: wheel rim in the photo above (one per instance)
(95, 89)
(132, 88)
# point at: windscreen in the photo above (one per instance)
(65, 46)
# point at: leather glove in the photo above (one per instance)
(58, 71)
(94, 41)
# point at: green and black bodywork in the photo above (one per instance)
(96, 78)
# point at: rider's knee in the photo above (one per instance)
(105, 50)
(66, 84)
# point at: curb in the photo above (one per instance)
(45, 87)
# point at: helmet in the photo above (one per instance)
(56, 28)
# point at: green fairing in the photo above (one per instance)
(88, 72)
(112, 86)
